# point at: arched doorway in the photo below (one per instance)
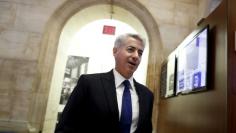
(79, 43)
(51, 40)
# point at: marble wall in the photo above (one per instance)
(22, 27)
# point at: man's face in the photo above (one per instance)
(128, 57)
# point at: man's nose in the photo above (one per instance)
(136, 55)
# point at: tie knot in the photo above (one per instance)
(126, 83)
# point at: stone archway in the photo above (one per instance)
(50, 43)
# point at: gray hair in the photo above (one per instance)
(121, 39)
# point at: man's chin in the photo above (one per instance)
(132, 70)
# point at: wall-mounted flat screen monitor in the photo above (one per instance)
(192, 62)
(163, 79)
(171, 75)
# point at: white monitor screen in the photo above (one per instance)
(192, 64)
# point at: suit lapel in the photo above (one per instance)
(141, 104)
(110, 93)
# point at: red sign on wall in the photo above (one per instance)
(109, 30)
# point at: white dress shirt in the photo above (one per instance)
(134, 98)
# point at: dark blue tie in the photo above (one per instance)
(126, 109)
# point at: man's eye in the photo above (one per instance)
(140, 53)
(130, 49)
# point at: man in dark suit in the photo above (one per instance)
(98, 104)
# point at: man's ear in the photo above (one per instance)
(114, 51)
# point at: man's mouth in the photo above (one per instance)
(132, 63)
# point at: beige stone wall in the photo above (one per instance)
(17, 84)
(175, 18)
(22, 26)
(22, 23)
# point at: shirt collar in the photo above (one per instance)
(119, 79)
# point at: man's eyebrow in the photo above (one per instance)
(133, 47)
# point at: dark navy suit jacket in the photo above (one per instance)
(92, 107)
